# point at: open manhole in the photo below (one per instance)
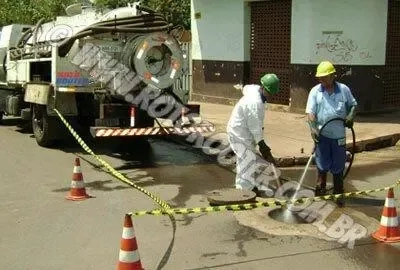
(230, 196)
(288, 214)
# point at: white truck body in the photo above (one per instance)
(97, 68)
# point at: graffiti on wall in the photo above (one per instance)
(340, 48)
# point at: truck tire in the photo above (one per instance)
(41, 125)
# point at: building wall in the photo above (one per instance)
(236, 41)
(362, 45)
(221, 48)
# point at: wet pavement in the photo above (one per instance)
(85, 235)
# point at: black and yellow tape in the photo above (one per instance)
(114, 172)
(249, 206)
(167, 210)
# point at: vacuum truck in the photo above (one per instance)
(113, 72)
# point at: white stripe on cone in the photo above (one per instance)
(389, 202)
(77, 184)
(389, 221)
(128, 233)
(128, 256)
(77, 169)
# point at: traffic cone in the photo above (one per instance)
(78, 191)
(129, 258)
(389, 230)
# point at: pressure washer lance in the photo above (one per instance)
(268, 192)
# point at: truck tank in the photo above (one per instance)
(135, 36)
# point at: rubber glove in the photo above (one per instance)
(266, 152)
(315, 136)
(350, 118)
(314, 132)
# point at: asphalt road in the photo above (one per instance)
(41, 230)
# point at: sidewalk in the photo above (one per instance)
(289, 137)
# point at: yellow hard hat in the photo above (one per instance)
(325, 68)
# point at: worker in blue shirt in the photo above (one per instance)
(327, 100)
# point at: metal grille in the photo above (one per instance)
(183, 85)
(391, 73)
(270, 44)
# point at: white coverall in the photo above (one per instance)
(245, 129)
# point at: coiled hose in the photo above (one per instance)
(140, 24)
(354, 142)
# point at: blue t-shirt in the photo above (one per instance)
(327, 106)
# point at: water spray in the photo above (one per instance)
(286, 213)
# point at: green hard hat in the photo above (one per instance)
(270, 82)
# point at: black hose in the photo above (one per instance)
(146, 23)
(354, 142)
(146, 9)
(134, 19)
(130, 29)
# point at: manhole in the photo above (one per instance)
(230, 196)
(285, 215)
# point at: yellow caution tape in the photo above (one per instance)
(117, 174)
(249, 206)
(167, 210)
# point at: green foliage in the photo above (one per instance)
(31, 11)
(174, 11)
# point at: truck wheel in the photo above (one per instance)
(40, 125)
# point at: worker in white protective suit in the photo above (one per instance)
(246, 132)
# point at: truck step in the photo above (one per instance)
(149, 131)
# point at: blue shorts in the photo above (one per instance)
(330, 155)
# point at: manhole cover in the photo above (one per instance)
(230, 196)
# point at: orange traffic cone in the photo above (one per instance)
(129, 258)
(78, 191)
(389, 230)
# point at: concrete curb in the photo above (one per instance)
(370, 144)
(361, 146)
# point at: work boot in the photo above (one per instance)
(257, 192)
(320, 189)
(263, 192)
(338, 188)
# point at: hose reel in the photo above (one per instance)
(157, 58)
